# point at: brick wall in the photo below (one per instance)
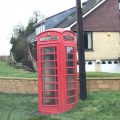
(16, 85)
(29, 86)
(109, 84)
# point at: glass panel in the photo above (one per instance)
(89, 63)
(49, 57)
(50, 94)
(71, 100)
(70, 63)
(115, 62)
(49, 64)
(50, 79)
(71, 85)
(48, 49)
(51, 87)
(50, 72)
(89, 40)
(70, 56)
(119, 5)
(109, 62)
(48, 101)
(103, 62)
(70, 78)
(69, 49)
(71, 92)
(70, 70)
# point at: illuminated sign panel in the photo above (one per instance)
(48, 38)
(68, 38)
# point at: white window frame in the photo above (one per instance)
(119, 5)
(89, 41)
(40, 29)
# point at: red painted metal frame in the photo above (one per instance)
(58, 96)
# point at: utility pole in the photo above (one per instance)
(81, 55)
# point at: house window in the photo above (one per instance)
(103, 62)
(40, 29)
(89, 63)
(119, 5)
(88, 44)
(115, 62)
(109, 62)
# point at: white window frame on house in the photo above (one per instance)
(119, 5)
(88, 41)
(40, 29)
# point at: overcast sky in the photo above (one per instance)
(16, 12)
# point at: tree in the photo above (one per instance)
(21, 51)
(30, 29)
(12, 40)
(18, 31)
(37, 16)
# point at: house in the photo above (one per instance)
(102, 36)
(101, 24)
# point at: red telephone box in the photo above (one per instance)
(57, 71)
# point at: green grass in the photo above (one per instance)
(101, 74)
(98, 106)
(7, 70)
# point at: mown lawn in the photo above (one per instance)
(98, 106)
(7, 70)
(101, 74)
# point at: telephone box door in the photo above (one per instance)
(48, 79)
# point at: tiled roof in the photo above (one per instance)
(31, 38)
(72, 18)
(89, 5)
(67, 17)
(53, 21)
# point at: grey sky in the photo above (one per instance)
(16, 12)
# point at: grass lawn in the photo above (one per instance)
(101, 74)
(7, 70)
(98, 106)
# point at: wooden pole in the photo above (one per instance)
(81, 55)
